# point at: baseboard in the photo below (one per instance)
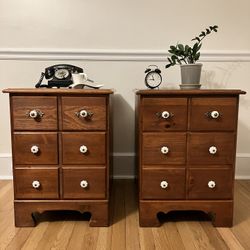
(6, 177)
(124, 166)
(52, 54)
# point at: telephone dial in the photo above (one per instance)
(59, 75)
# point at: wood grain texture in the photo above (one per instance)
(153, 108)
(199, 144)
(152, 178)
(45, 141)
(48, 179)
(221, 211)
(95, 178)
(57, 163)
(53, 91)
(71, 231)
(25, 209)
(153, 142)
(94, 141)
(190, 92)
(92, 104)
(22, 105)
(198, 180)
(201, 107)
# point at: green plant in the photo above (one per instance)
(186, 54)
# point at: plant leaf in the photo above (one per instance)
(181, 47)
(196, 38)
(195, 48)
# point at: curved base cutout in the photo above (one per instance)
(154, 213)
(28, 213)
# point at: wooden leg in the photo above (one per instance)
(23, 216)
(99, 216)
(223, 216)
(148, 216)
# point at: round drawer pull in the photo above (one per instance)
(164, 184)
(215, 114)
(211, 184)
(164, 150)
(83, 149)
(165, 114)
(212, 150)
(83, 113)
(34, 149)
(33, 114)
(36, 184)
(84, 184)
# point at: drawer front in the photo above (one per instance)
(164, 114)
(210, 183)
(84, 183)
(34, 112)
(84, 113)
(84, 148)
(36, 183)
(163, 184)
(35, 148)
(164, 148)
(211, 148)
(213, 114)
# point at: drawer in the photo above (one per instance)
(35, 148)
(210, 183)
(163, 184)
(84, 113)
(213, 114)
(211, 148)
(164, 114)
(84, 148)
(164, 148)
(84, 183)
(34, 112)
(36, 183)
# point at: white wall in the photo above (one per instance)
(114, 41)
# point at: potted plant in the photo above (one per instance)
(187, 57)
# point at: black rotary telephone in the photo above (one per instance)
(59, 75)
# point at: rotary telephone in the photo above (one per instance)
(59, 75)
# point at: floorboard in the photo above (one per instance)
(180, 230)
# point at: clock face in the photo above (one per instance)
(153, 79)
(61, 74)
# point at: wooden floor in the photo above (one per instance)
(70, 230)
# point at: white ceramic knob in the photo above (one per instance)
(212, 150)
(36, 184)
(33, 114)
(83, 149)
(34, 149)
(83, 184)
(83, 113)
(165, 114)
(211, 184)
(215, 114)
(164, 184)
(164, 150)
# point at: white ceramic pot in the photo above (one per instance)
(190, 76)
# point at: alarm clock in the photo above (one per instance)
(153, 77)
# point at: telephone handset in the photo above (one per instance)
(59, 75)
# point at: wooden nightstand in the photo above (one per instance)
(61, 144)
(186, 152)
